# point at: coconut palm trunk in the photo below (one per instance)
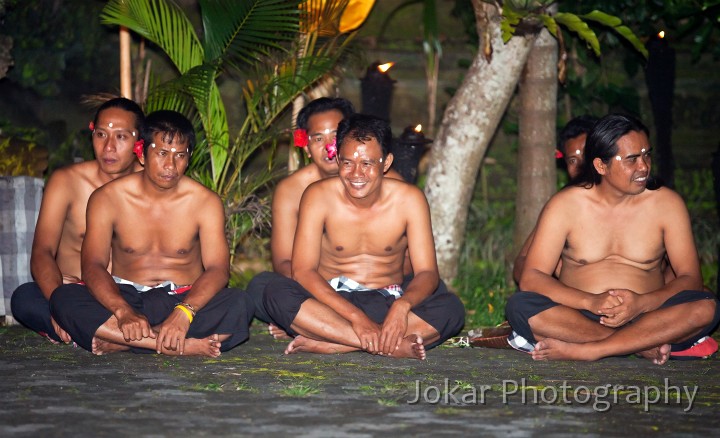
(536, 171)
(468, 125)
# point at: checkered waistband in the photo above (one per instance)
(345, 284)
(172, 288)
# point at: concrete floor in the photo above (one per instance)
(255, 390)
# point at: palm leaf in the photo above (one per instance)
(161, 22)
(239, 31)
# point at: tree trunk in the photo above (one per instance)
(468, 125)
(536, 172)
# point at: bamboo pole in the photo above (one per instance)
(125, 65)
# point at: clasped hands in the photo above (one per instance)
(617, 307)
(386, 338)
(169, 335)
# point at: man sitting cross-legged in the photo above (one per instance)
(348, 254)
(170, 259)
(611, 233)
(61, 224)
(317, 127)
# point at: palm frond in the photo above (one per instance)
(238, 32)
(161, 22)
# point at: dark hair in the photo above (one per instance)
(602, 143)
(322, 105)
(574, 128)
(170, 124)
(126, 105)
(363, 127)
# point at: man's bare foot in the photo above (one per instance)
(411, 347)
(278, 333)
(553, 349)
(101, 346)
(209, 347)
(301, 344)
(658, 355)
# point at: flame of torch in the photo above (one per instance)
(385, 67)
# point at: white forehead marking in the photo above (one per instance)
(643, 150)
(355, 155)
(577, 151)
(110, 125)
(327, 131)
(618, 157)
(152, 144)
(173, 150)
(133, 133)
(381, 160)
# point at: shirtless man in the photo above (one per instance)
(61, 223)
(612, 233)
(348, 255)
(170, 259)
(572, 147)
(317, 126)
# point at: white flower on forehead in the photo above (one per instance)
(110, 125)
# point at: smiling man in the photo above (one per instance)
(61, 223)
(348, 254)
(612, 233)
(170, 259)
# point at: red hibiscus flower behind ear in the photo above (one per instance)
(91, 125)
(300, 138)
(138, 149)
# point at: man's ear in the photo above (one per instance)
(388, 162)
(307, 151)
(600, 167)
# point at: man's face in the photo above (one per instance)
(113, 140)
(573, 154)
(629, 170)
(165, 162)
(322, 129)
(362, 166)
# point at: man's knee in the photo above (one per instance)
(703, 312)
(25, 300)
(64, 298)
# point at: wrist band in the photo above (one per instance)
(186, 311)
(189, 307)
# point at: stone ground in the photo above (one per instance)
(255, 390)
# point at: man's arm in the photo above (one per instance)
(48, 232)
(215, 256)
(306, 261)
(551, 233)
(421, 247)
(522, 256)
(284, 223)
(95, 257)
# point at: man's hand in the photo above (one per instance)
(60, 332)
(394, 327)
(134, 327)
(603, 301)
(368, 333)
(631, 305)
(173, 331)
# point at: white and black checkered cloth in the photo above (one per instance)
(345, 284)
(20, 199)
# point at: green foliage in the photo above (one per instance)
(55, 40)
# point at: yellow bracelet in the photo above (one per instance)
(186, 311)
